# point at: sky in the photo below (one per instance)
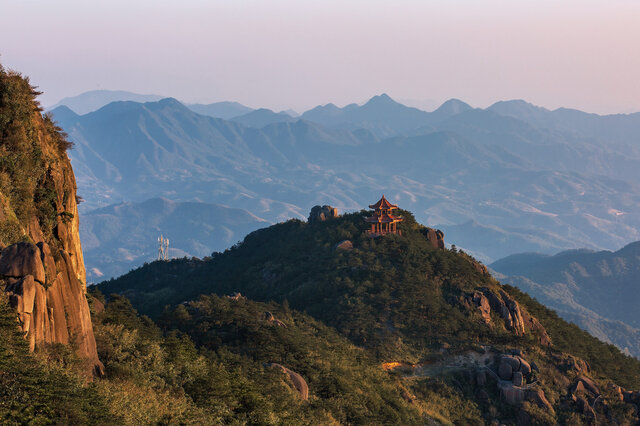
(301, 53)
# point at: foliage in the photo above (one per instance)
(396, 297)
(29, 145)
(35, 389)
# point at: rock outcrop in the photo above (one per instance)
(345, 245)
(434, 236)
(296, 380)
(322, 213)
(41, 263)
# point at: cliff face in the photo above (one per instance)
(41, 263)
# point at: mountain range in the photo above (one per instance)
(514, 184)
(597, 290)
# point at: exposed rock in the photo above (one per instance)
(45, 280)
(479, 267)
(525, 368)
(297, 380)
(531, 323)
(518, 379)
(236, 296)
(322, 213)
(483, 305)
(584, 383)
(345, 245)
(508, 309)
(516, 395)
(434, 236)
(513, 395)
(505, 371)
(50, 269)
(268, 316)
(513, 361)
(537, 396)
(22, 259)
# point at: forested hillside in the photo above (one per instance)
(430, 315)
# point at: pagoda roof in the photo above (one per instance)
(384, 218)
(383, 204)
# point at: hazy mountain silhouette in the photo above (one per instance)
(95, 99)
(381, 115)
(225, 110)
(597, 290)
(261, 117)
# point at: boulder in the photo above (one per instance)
(345, 245)
(525, 367)
(587, 384)
(505, 372)
(518, 379)
(21, 259)
(297, 380)
(322, 213)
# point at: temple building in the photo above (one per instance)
(383, 221)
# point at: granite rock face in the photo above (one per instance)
(43, 273)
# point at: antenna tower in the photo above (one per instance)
(163, 248)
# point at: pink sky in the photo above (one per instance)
(300, 53)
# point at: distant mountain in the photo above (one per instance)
(615, 128)
(262, 117)
(122, 236)
(95, 99)
(224, 110)
(449, 109)
(381, 115)
(528, 187)
(597, 290)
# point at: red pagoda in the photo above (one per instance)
(383, 221)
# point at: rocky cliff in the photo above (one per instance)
(41, 263)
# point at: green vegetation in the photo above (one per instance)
(29, 145)
(396, 297)
(43, 388)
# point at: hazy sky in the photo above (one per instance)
(300, 53)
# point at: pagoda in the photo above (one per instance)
(383, 221)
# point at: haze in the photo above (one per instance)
(298, 53)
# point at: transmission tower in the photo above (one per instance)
(163, 248)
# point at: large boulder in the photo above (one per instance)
(22, 259)
(322, 213)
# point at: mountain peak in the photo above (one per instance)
(382, 99)
(454, 106)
